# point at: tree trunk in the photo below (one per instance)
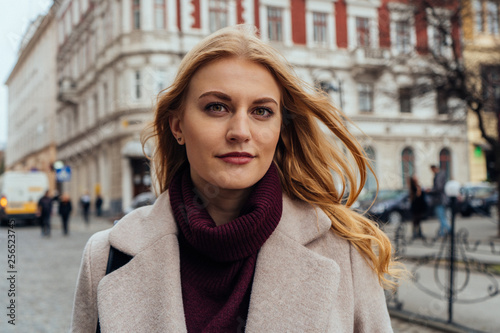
(496, 148)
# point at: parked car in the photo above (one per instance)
(477, 199)
(390, 206)
(140, 200)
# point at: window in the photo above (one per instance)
(478, 14)
(96, 108)
(442, 101)
(365, 97)
(138, 84)
(445, 162)
(160, 14)
(439, 41)
(492, 17)
(67, 23)
(108, 25)
(403, 37)
(275, 24)
(76, 122)
(136, 12)
(60, 31)
(407, 165)
(319, 27)
(371, 182)
(405, 100)
(218, 13)
(362, 32)
(491, 88)
(161, 80)
(105, 98)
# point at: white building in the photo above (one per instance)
(114, 56)
(32, 100)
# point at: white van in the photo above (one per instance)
(19, 194)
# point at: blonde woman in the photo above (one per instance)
(249, 232)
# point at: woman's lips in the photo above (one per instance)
(237, 158)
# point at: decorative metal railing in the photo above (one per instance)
(447, 256)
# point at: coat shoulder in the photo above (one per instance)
(142, 227)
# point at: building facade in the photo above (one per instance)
(32, 101)
(481, 43)
(114, 56)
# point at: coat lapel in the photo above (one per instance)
(145, 294)
(294, 288)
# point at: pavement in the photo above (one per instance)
(46, 270)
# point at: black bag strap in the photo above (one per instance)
(116, 259)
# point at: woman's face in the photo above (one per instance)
(230, 125)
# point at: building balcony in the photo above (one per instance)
(67, 91)
(370, 57)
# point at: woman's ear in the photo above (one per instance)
(176, 128)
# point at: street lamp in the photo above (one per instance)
(327, 87)
(452, 190)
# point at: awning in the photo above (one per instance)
(134, 149)
(485, 146)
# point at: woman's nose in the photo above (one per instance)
(239, 128)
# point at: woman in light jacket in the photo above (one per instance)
(249, 232)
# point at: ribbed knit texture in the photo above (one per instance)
(218, 262)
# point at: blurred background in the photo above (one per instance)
(420, 80)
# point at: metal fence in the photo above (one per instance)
(447, 256)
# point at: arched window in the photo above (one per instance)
(371, 183)
(445, 162)
(407, 164)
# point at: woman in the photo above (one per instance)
(249, 232)
(418, 205)
(65, 210)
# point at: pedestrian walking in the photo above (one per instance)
(418, 205)
(85, 205)
(250, 232)
(439, 200)
(65, 211)
(44, 212)
(98, 205)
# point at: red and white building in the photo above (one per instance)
(114, 56)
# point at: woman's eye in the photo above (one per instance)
(263, 112)
(215, 108)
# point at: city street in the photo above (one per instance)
(46, 274)
(47, 269)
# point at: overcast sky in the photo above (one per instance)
(15, 17)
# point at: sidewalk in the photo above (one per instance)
(477, 301)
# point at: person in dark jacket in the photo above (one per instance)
(418, 205)
(85, 203)
(65, 211)
(98, 205)
(440, 200)
(44, 212)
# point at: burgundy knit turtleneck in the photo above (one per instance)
(218, 262)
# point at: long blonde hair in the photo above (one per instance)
(308, 161)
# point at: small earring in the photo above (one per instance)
(179, 139)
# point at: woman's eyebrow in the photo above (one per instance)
(265, 100)
(217, 94)
(227, 98)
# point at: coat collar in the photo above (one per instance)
(141, 228)
(292, 286)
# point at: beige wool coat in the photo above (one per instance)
(306, 278)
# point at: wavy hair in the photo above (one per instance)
(309, 162)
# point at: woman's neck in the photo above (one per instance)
(226, 205)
